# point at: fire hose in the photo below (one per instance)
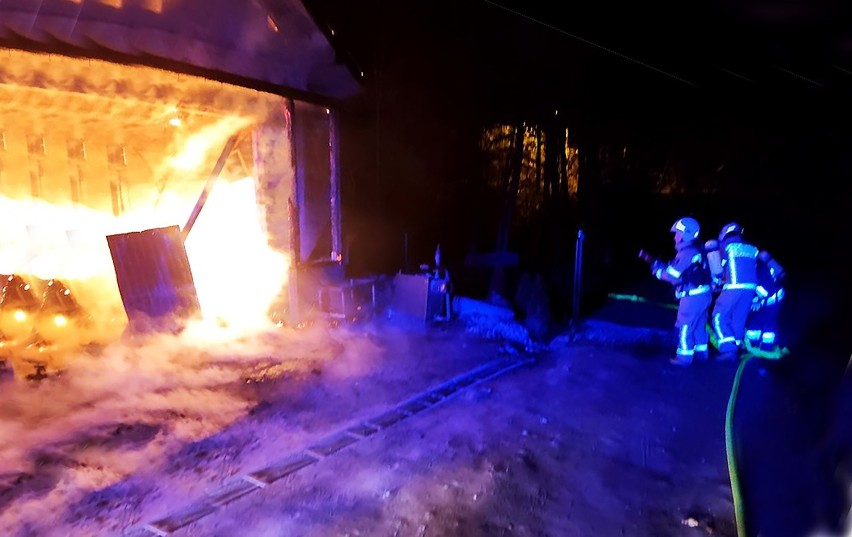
(736, 490)
(649, 259)
(637, 298)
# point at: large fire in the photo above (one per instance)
(239, 274)
(90, 149)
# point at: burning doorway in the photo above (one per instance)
(92, 149)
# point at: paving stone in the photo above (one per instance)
(363, 430)
(487, 371)
(465, 381)
(387, 419)
(446, 391)
(332, 444)
(283, 468)
(415, 406)
(182, 518)
(433, 397)
(231, 492)
(140, 532)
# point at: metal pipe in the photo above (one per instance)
(293, 275)
(217, 169)
(405, 252)
(334, 178)
(578, 274)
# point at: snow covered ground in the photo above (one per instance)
(593, 435)
(145, 424)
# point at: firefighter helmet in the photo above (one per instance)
(688, 227)
(730, 229)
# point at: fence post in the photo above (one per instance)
(578, 275)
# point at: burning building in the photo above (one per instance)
(161, 158)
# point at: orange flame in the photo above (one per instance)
(237, 275)
(111, 159)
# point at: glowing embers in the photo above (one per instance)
(18, 309)
(40, 323)
(111, 3)
(60, 314)
(154, 6)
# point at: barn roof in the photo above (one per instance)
(274, 45)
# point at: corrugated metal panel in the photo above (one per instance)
(153, 274)
(275, 41)
(315, 191)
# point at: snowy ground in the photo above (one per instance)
(591, 436)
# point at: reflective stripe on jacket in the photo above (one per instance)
(688, 271)
(740, 266)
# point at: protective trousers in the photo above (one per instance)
(691, 324)
(762, 326)
(729, 318)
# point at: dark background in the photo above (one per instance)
(745, 101)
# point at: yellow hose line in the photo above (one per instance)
(637, 298)
(736, 491)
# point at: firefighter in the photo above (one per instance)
(690, 276)
(739, 282)
(762, 325)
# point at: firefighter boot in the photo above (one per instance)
(727, 356)
(681, 360)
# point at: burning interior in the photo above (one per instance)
(92, 149)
